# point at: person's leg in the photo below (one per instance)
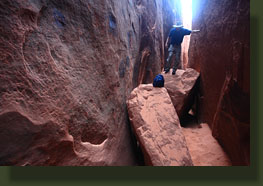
(177, 58)
(168, 61)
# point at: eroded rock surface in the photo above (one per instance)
(222, 49)
(203, 147)
(182, 89)
(157, 127)
(66, 70)
(233, 115)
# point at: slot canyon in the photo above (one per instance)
(76, 84)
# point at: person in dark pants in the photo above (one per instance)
(174, 42)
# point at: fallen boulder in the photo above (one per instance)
(157, 127)
(181, 88)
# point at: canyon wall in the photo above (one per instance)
(221, 52)
(66, 70)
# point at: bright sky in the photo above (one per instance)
(187, 13)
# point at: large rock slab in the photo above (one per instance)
(157, 127)
(182, 88)
(66, 70)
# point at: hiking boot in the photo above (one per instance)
(174, 72)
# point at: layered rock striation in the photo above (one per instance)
(221, 52)
(66, 70)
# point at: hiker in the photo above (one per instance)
(174, 41)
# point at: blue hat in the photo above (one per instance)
(178, 24)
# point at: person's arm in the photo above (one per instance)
(195, 31)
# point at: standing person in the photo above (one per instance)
(174, 42)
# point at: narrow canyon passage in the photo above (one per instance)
(69, 70)
(203, 147)
(167, 132)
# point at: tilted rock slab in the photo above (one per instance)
(157, 127)
(181, 88)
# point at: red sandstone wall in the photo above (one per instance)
(66, 69)
(221, 53)
(150, 41)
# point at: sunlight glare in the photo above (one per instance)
(187, 13)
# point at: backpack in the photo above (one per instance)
(158, 81)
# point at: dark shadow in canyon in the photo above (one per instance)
(135, 144)
(189, 121)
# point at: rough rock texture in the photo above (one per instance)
(185, 51)
(157, 127)
(232, 116)
(204, 148)
(66, 70)
(182, 88)
(221, 49)
(151, 45)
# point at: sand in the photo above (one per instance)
(203, 147)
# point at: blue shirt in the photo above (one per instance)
(177, 36)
